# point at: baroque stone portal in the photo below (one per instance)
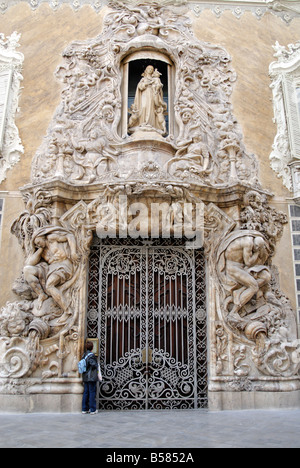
(86, 167)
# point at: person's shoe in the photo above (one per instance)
(84, 412)
(94, 412)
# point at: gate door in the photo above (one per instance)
(147, 307)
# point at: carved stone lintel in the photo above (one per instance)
(285, 73)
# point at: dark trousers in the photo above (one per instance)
(89, 397)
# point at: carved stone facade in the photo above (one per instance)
(98, 151)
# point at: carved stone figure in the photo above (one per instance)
(149, 107)
(51, 266)
(94, 156)
(258, 216)
(242, 259)
(193, 159)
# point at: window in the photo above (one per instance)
(291, 93)
(285, 157)
(10, 78)
(5, 86)
(285, 75)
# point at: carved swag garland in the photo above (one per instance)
(253, 326)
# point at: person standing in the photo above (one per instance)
(90, 378)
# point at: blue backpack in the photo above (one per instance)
(82, 364)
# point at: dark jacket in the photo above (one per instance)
(91, 374)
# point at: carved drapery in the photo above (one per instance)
(85, 170)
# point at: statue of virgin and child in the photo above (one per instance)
(149, 109)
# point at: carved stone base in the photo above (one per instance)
(144, 158)
(223, 400)
(35, 396)
(40, 403)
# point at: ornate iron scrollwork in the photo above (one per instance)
(152, 336)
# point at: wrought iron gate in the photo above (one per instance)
(147, 306)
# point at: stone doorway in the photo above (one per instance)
(147, 307)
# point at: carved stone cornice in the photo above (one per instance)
(286, 9)
(62, 192)
(285, 76)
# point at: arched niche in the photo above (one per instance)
(133, 66)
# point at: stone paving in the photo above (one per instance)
(155, 429)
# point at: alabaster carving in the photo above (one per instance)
(88, 177)
(11, 62)
(148, 110)
(51, 265)
(85, 142)
(192, 160)
(251, 304)
(258, 216)
(242, 261)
